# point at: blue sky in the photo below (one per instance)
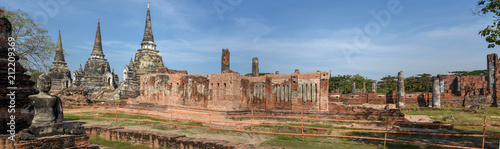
(342, 36)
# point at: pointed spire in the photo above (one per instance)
(59, 50)
(131, 63)
(148, 39)
(113, 72)
(97, 43)
(80, 69)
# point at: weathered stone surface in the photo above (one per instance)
(255, 67)
(374, 87)
(26, 134)
(492, 60)
(364, 87)
(401, 91)
(48, 110)
(441, 83)
(59, 72)
(97, 74)
(75, 129)
(353, 87)
(436, 94)
(147, 60)
(224, 61)
(46, 130)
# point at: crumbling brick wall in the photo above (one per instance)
(195, 91)
(457, 91)
(162, 139)
(464, 85)
(230, 91)
(359, 98)
(15, 85)
(307, 91)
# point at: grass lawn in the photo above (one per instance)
(456, 116)
(310, 142)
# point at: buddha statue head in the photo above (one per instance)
(44, 83)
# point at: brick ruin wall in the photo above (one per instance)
(160, 139)
(456, 91)
(15, 85)
(230, 91)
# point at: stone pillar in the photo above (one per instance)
(401, 90)
(294, 89)
(364, 87)
(436, 94)
(255, 67)
(225, 60)
(353, 90)
(491, 61)
(441, 83)
(323, 91)
(374, 86)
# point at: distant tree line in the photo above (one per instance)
(470, 73)
(343, 83)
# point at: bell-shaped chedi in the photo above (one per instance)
(147, 59)
(59, 72)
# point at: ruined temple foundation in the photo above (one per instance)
(230, 91)
(161, 139)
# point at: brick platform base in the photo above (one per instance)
(53, 142)
(161, 139)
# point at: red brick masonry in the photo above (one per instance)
(230, 91)
(53, 142)
(161, 139)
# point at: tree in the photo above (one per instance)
(387, 84)
(491, 32)
(359, 80)
(420, 83)
(33, 44)
(343, 83)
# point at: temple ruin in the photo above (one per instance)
(147, 59)
(231, 91)
(146, 80)
(97, 74)
(59, 72)
(447, 91)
